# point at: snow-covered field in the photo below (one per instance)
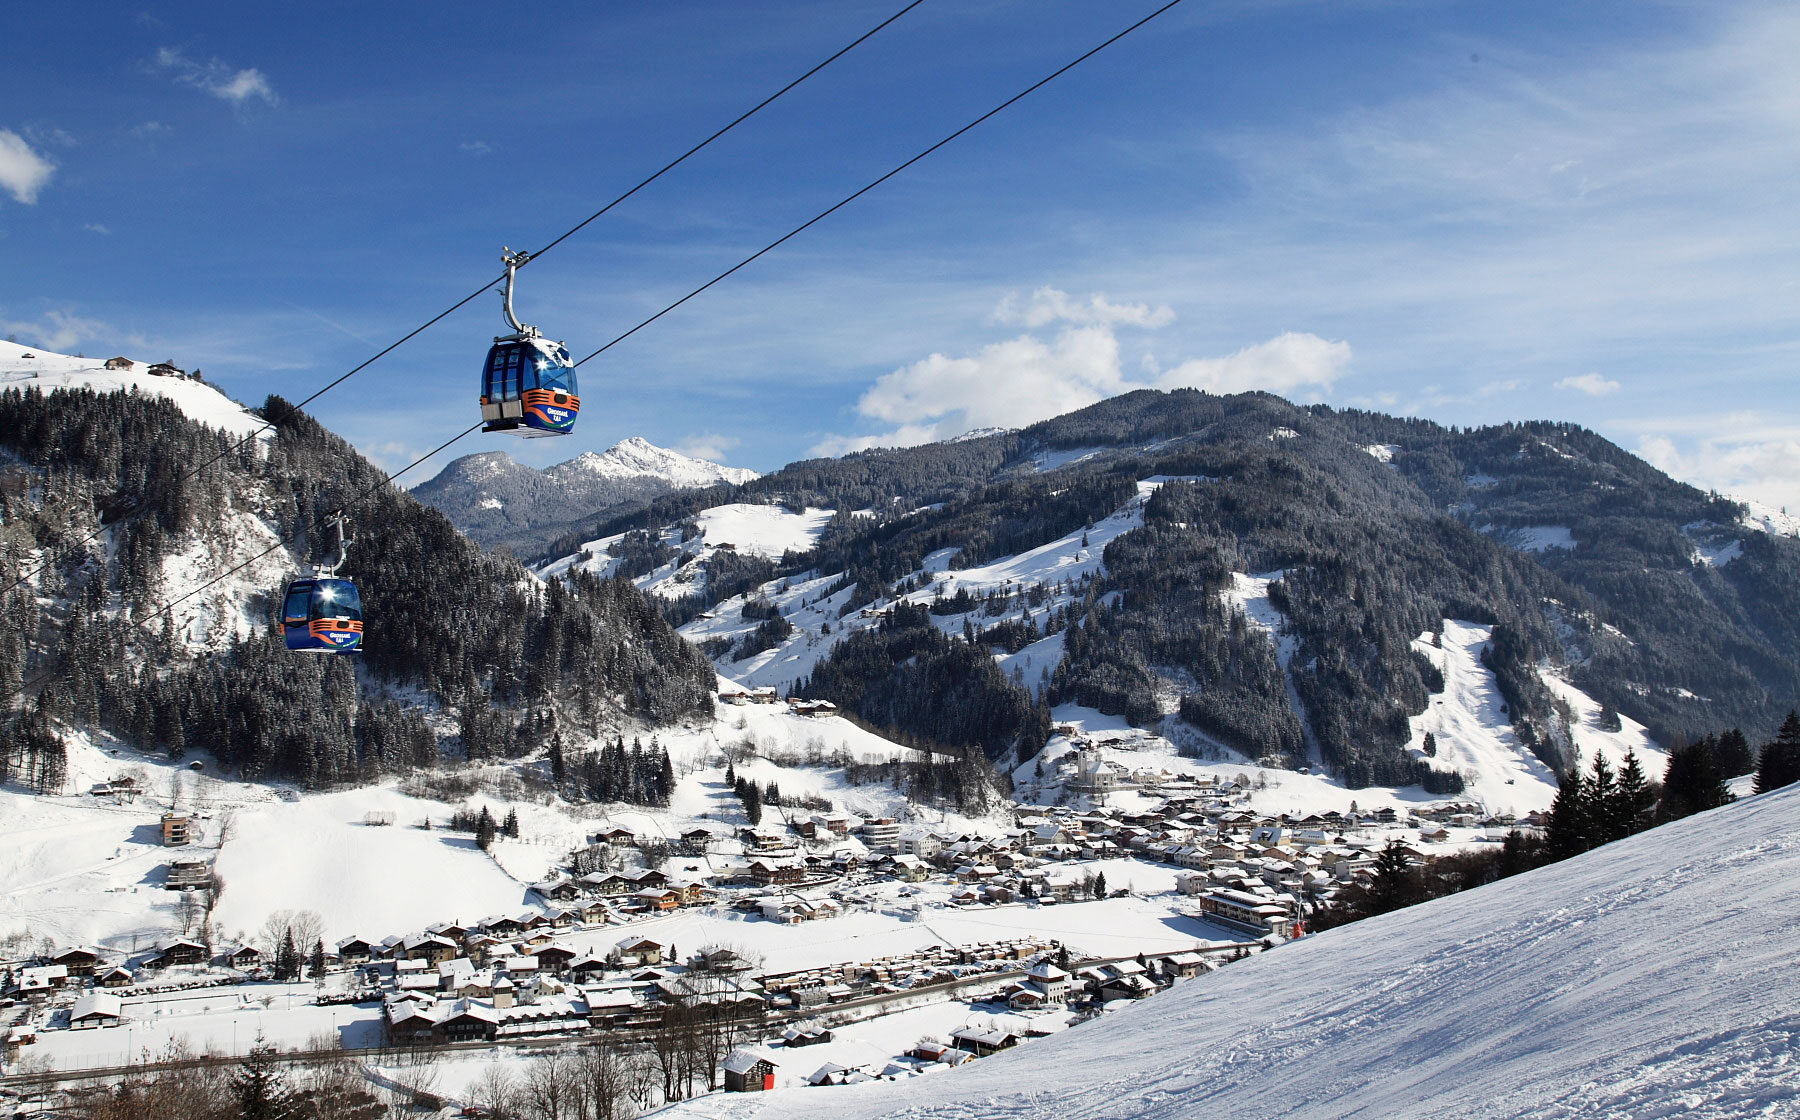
(1649, 978)
(49, 371)
(80, 869)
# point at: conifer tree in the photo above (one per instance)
(1779, 763)
(1395, 883)
(1734, 754)
(1632, 799)
(510, 827)
(260, 1090)
(1692, 783)
(485, 829)
(317, 964)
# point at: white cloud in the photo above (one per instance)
(22, 171)
(1025, 379)
(907, 435)
(61, 331)
(710, 446)
(1763, 464)
(1281, 365)
(1590, 383)
(148, 129)
(96, 227)
(216, 77)
(1050, 305)
(478, 147)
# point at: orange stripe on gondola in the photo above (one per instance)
(547, 396)
(329, 625)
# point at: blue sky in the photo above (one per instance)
(1470, 212)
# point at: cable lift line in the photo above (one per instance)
(464, 301)
(848, 199)
(387, 480)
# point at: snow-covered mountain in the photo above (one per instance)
(502, 503)
(29, 367)
(1651, 977)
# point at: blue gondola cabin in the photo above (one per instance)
(528, 387)
(322, 616)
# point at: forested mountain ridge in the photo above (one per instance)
(1646, 593)
(491, 662)
(502, 504)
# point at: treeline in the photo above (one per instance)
(1593, 808)
(469, 628)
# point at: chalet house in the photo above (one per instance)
(117, 977)
(640, 950)
(698, 838)
(768, 872)
(1023, 997)
(1183, 965)
(468, 1021)
(982, 1041)
(910, 869)
(814, 708)
(605, 883)
(616, 835)
(502, 925)
(408, 1022)
(96, 1009)
(174, 829)
(166, 369)
(932, 1050)
(586, 969)
(243, 957)
(454, 930)
(563, 917)
(558, 889)
(354, 950)
(39, 982)
(427, 947)
(658, 898)
(595, 913)
(749, 1069)
(180, 951)
(78, 961)
(481, 946)
(554, 959)
(120, 363)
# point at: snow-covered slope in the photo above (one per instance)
(49, 371)
(1650, 978)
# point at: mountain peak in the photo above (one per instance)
(637, 457)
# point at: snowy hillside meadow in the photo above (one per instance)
(1470, 727)
(1650, 978)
